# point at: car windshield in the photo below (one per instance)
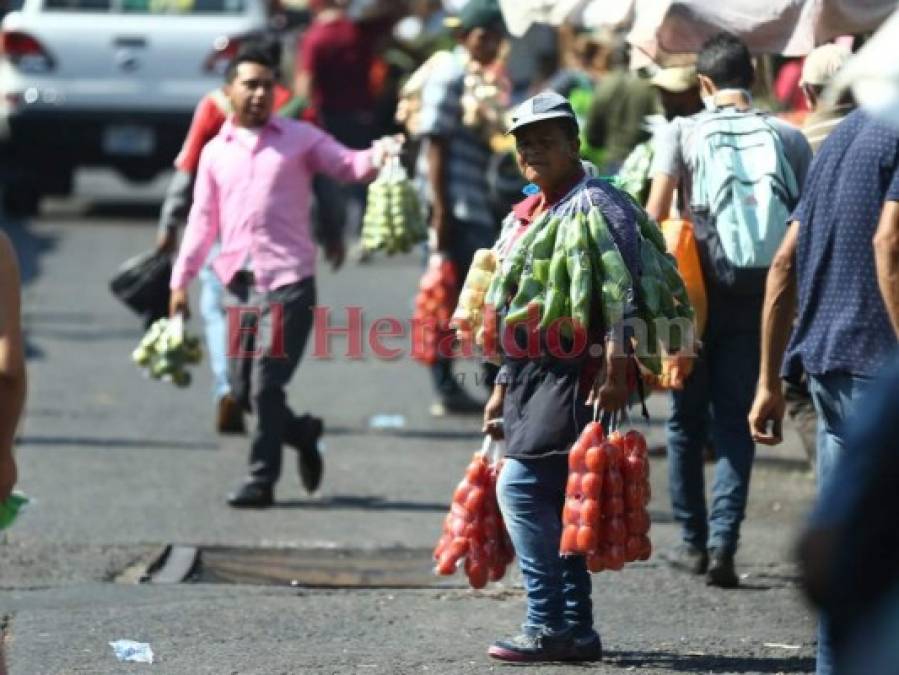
(148, 6)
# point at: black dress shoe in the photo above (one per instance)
(304, 433)
(722, 572)
(252, 496)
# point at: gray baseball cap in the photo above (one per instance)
(547, 105)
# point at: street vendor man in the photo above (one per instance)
(540, 405)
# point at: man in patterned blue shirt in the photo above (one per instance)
(841, 254)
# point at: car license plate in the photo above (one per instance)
(128, 140)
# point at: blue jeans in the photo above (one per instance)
(531, 495)
(717, 397)
(835, 396)
(215, 326)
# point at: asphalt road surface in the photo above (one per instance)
(120, 466)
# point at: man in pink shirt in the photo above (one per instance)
(252, 194)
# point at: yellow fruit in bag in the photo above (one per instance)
(484, 259)
(471, 299)
(478, 279)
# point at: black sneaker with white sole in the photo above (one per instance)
(527, 648)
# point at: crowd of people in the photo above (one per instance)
(797, 232)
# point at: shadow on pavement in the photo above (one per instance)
(137, 210)
(111, 443)
(84, 332)
(75, 326)
(711, 663)
(430, 434)
(366, 503)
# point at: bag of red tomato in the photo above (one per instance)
(438, 292)
(605, 516)
(474, 535)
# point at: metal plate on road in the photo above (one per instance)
(129, 140)
(310, 568)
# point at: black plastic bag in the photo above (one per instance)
(142, 283)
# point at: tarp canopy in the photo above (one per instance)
(873, 74)
(520, 14)
(669, 32)
(666, 31)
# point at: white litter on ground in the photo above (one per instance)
(129, 650)
(387, 422)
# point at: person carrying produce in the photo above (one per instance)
(739, 172)
(253, 194)
(561, 243)
(453, 166)
(208, 118)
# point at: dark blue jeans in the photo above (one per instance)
(835, 396)
(531, 495)
(717, 398)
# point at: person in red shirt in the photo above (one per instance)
(335, 58)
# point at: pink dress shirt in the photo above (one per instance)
(255, 196)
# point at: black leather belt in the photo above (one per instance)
(244, 278)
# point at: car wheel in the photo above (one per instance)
(59, 183)
(21, 199)
(139, 174)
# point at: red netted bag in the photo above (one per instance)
(474, 534)
(437, 295)
(605, 516)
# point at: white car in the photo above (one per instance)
(109, 83)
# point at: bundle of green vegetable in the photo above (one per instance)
(166, 350)
(10, 508)
(393, 221)
(567, 265)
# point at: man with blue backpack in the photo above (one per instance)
(738, 172)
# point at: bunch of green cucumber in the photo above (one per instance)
(567, 265)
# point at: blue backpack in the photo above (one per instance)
(744, 190)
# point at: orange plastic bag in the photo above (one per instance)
(681, 243)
